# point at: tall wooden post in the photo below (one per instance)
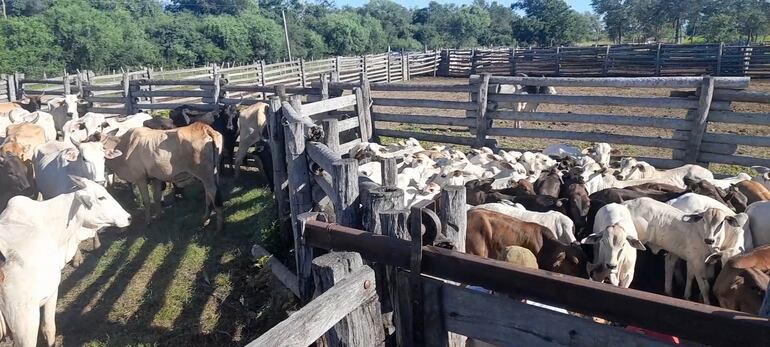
(278, 152)
(453, 215)
(481, 111)
(558, 61)
(367, 98)
(345, 185)
(129, 100)
(394, 224)
(387, 67)
(436, 61)
(606, 65)
(718, 71)
(657, 60)
(66, 84)
(331, 134)
(701, 120)
(262, 77)
(11, 84)
(404, 66)
(302, 76)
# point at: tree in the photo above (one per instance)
(26, 7)
(396, 23)
(343, 34)
(27, 44)
(720, 28)
(550, 22)
(211, 6)
(617, 19)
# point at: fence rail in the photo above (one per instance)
(611, 60)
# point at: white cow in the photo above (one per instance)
(601, 152)
(39, 118)
(79, 129)
(125, 124)
(726, 182)
(632, 169)
(691, 237)
(759, 223)
(535, 164)
(562, 228)
(615, 243)
(37, 239)
(63, 108)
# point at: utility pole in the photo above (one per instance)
(285, 32)
(5, 16)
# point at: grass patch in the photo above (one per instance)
(176, 282)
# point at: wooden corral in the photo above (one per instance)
(610, 60)
(152, 89)
(414, 281)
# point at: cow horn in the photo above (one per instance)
(240, 101)
(10, 116)
(75, 142)
(37, 116)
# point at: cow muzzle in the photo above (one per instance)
(709, 241)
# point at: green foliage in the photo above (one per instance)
(720, 28)
(211, 6)
(27, 44)
(550, 22)
(343, 34)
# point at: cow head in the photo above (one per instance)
(610, 248)
(601, 153)
(713, 225)
(31, 103)
(99, 208)
(570, 260)
(231, 114)
(13, 174)
(631, 169)
(736, 200)
(87, 158)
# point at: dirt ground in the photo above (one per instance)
(539, 144)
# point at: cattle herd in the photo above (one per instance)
(55, 165)
(582, 213)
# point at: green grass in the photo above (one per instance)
(176, 282)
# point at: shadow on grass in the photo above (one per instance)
(176, 282)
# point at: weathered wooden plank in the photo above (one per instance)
(481, 111)
(345, 184)
(467, 141)
(637, 121)
(422, 119)
(328, 105)
(107, 99)
(171, 106)
(621, 82)
(586, 136)
(505, 322)
(349, 123)
(455, 105)
(332, 134)
(736, 139)
(173, 93)
(286, 277)
(652, 102)
(741, 96)
(322, 155)
(733, 159)
(688, 320)
(345, 147)
(700, 121)
(312, 131)
(308, 324)
(739, 117)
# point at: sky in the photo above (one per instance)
(579, 5)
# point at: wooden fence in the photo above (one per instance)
(109, 93)
(612, 60)
(409, 286)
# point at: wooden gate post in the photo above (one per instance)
(700, 121)
(345, 185)
(558, 61)
(66, 84)
(404, 66)
(18, 79)
(453, 215)
(657, 61)
(481, 111)
(718, 71)
(278, 152)
(361, 327)
(331, 134)
(11, 84)
(606, 65)
(127, 95)
(302, 76)
(394, 224)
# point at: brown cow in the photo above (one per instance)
(754, 191)
(6, 107)
(489, 233)
(742, 283)
(175, 155)
(549, 184)
(252, 123)
(22, 139)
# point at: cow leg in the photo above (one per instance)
(670, 265)
(144, 191)
(77, 259)
(243, 149)
(688, 284)
(97, 242)
(49, 320)
(157, 196)
(699, 271)
(24, 324)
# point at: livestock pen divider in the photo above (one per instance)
(416, 297)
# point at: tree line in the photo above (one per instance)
(728, 21)
(50, 36)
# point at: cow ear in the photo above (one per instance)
(692, 218)
(71, 154)
(85, 198)
(635, 243)
(738, 220)
(641, 167)
(591, 239)
(112, 153)
(79, 182)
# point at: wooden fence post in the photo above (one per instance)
(324, 86)
(66, 84)
(216, 89)
(405, 66)
(361, 113)
(331, 134)
(481, 111)
(345, 185)
(657, 60)
(453, 215)
(262, 77)
(129, 100)
(513, 61)
(11, 84)
(364, 68)
(337, 66)
(389, 172)
(302, 77)
(361, 327)
(558, 61)
(394, 224)
(278, 152)
(300, 199)
(366, 93)
(18, 79)
(436, 61)
(387, 67)
(700, 121)
(606, 65)
(718, 71)
(150, 76)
